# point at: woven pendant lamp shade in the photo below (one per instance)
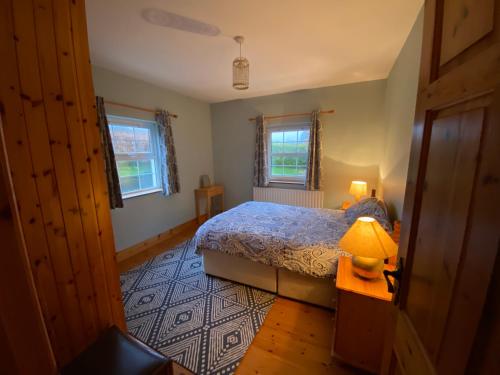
(240, 73)
(241, 69)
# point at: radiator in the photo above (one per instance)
(293, 197)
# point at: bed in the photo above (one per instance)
(289, 250)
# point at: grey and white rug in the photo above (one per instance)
(203, 322)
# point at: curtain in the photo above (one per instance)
(114, 192)
(260, 172)
(169, 175)
(313, 178)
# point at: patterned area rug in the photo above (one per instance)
(203, 322)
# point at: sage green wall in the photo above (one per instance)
(367, 138)
(352, 145)
(148, 215)
(400, 100)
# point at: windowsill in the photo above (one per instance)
(140, 193)
(287, 182)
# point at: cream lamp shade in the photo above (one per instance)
(366, 238)
(358, 189)
(369, 244)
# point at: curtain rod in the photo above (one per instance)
(303, 114)
(135, 107)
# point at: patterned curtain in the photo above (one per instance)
(260, 172)
(114, 192)
(313, 179)
(169, 175)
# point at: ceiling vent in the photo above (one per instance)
(175, 21)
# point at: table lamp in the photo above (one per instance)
(358, 189)
(369, 244)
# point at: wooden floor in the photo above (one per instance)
(294, 339)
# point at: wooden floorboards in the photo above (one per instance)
(294, 339)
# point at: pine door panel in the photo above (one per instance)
(451, 215)
(55, 159)
(451, 166)
(464, 23)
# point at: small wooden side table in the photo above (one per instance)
(208, 193)
(362, 317)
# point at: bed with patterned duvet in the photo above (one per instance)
(299, 239)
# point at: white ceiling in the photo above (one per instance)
(291, 44)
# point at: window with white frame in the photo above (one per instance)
(288, 148)
(135, 144)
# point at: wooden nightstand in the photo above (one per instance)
(361, 319)
(208, 193)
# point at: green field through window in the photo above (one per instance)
(135, 158)
(289, 152)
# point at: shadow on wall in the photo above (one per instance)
(337, 177)
(394, 184)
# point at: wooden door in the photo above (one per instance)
(451, 216)
(20, 312)
(54, 157)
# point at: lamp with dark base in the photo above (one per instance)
(369, 244)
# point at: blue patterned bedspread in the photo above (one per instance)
(300, 239)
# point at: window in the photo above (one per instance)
(135, 143)
(288, 153)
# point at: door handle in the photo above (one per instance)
(390, 285)
(397, 274)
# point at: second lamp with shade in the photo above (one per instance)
(358, 189)
(369, 244)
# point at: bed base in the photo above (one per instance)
(241, 270)
(317, 291)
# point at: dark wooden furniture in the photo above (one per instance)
(362, 316)
(208, 193)
(117, 353)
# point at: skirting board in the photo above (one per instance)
(146, 245)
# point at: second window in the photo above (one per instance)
(288, 152)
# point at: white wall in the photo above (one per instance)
(400, 99)
(353, 137)
(148, 215)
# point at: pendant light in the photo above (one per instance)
(241, 69)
